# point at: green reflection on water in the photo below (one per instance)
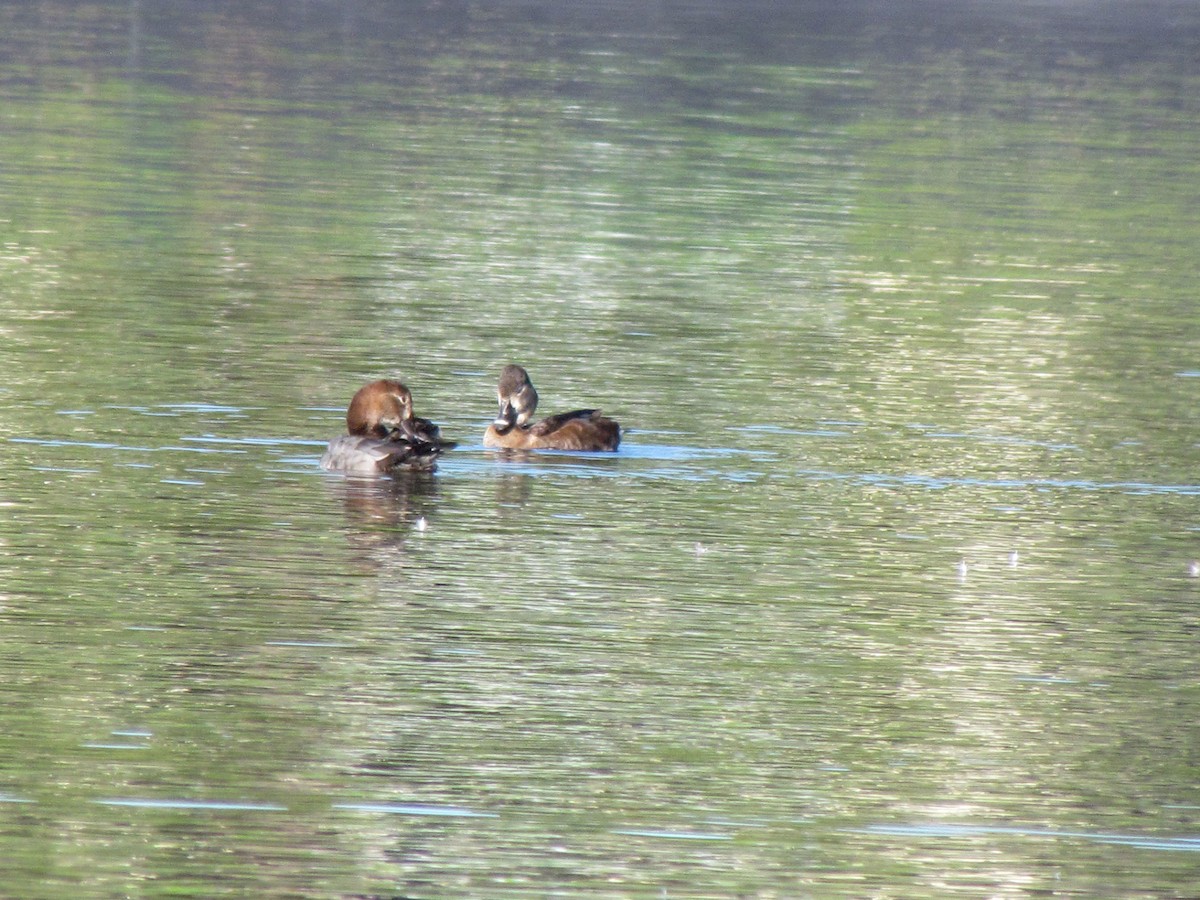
(937, 300)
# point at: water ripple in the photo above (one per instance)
(939, 830)
(940, 482)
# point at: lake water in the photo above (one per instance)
(893, 589)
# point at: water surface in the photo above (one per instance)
(890, 591)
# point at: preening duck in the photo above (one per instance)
(582, 429)
(383, 436)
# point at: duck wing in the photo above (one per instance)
(551, 424)
(421, 434)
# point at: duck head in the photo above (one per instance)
(381, 408)
(518, 400)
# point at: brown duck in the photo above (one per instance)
(583, 429)
(383, 436)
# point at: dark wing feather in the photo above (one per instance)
(551, 424)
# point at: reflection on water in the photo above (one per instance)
(398, 502)
(889, 590)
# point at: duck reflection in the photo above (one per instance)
(517, 471)
(383, 512)
(513, 490)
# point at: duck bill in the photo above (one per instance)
(507, 417)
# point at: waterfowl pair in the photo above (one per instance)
(383, 436)
(582, 429)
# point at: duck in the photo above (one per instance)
(383, 436)
(582, 429)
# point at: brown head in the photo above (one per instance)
(379, 408)
(518, 400)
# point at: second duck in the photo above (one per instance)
(582, 429)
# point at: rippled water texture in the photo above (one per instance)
(891, 590)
